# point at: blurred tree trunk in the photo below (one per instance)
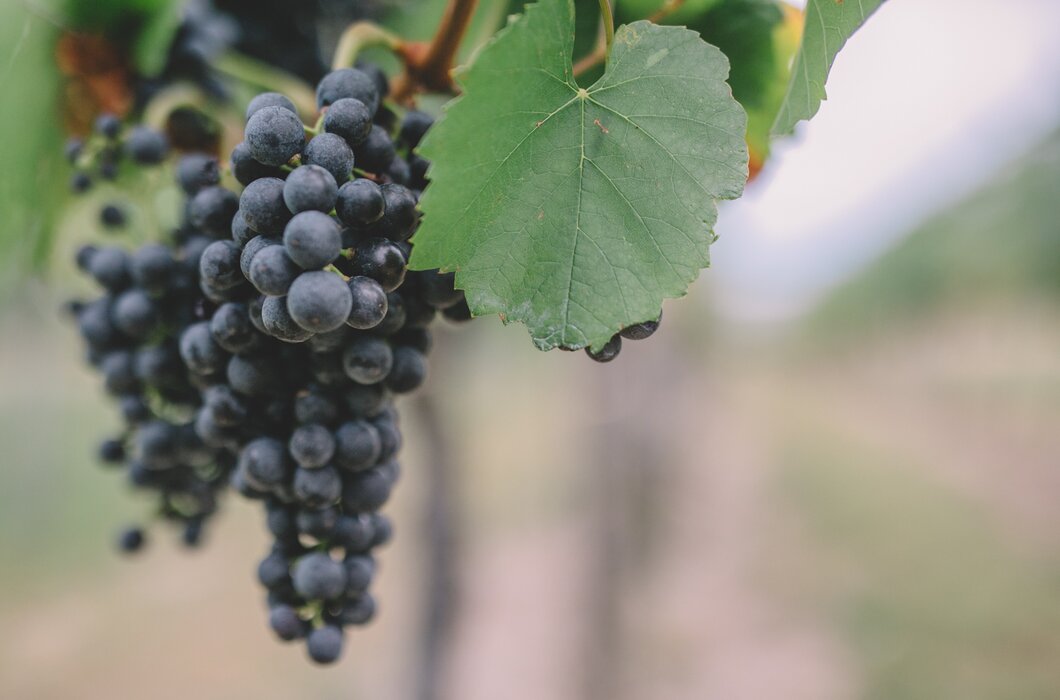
(441, 527)
(628, 474)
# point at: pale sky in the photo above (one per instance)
(925, 102)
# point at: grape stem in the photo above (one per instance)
(602, 49)
(252, 72)
(429, 66)
(608, 20)
(359, 36)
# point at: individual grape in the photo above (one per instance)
(458, 312)
(358, 611)
(367, 360)
(312, 240)
(219, 265)
(389, 437)
(262, 205)
(375, 152)
(319, 577)
(357, 445)
(365, 491)
(319, 522)
(316, 488)
(279, 324)
(349, 118)
(399, 215)
(199, 351)
(382, 261)
(382, 85)
(274, 135)
(134, 313)
(640, 331)
(395, 315)
(192, 535)
(418, 338)
(315, 407)
(251, 249)
(212, 209)
(347, 82)
(227, 408)
(253, 376)
(110, 268)
(331, 152)
(272, 271)
(399, 172)
(112, 451)
(119, 372)
(269, 99)
(359, 202)
(112, 216)
(265, 462)
(354, 532)
(312, 446)
(324, 644)
(81, 182)
(438, 288)
(608, 352)
(245, 169)
(273, 571)
(360, 569)
(365, 400)
(107, 125)
(150, 267)
(285, 622)
(146, 146)
(319, 301)
(133, 409)
(196, 171)
(241, 231)
(368, 303)
(330, 341)
(131, 540)
(73, 149)
(231, 328)
(408, 371)
(413, 126)
(310, 188)
(84, 256)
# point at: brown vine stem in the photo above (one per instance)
(429, 66)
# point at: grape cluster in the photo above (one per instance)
(317, 326)
(295, 325)
(131, 337)
(102, 153)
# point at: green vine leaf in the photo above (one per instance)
(829, 23)
(578, 211)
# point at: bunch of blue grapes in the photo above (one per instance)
(263, 345)
(317, 325)
(131, 333)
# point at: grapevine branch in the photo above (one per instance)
(429, 65)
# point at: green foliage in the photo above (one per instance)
(151, 46)
(1001, 242)
(753, 34)
(574, 211)
(35, 184)
(111, 15)
(686, 12)
(829, 23)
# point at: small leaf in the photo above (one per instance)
(829, 23)
(578, 211)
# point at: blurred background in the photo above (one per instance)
(833, 474)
